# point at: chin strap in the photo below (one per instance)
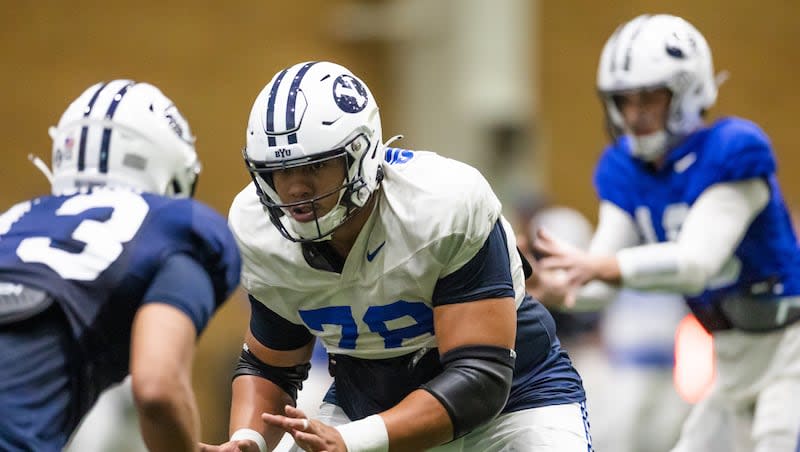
(42, 166)
(650, 147)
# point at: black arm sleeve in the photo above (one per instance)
(290, 379)
(474, 385)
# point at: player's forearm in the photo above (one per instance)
(700, 252)
(252, 396)
(615, 231)
(418, 422)
(605, 268)
(169, 418)
(471, 390)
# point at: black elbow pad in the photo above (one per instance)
(474, 385)
(290, 379)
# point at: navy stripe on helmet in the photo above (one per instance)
(634, 35)
(271, 107)
(614, 41)
(291, 101)
(105, 143)
(85, 129)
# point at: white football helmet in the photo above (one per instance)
(658, 51)
(124, 134)
(310, 112)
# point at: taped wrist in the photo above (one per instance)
(252, 435)
(365, 435)
(290, 379)
(474, 385)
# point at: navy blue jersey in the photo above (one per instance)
(767, 261)
(97, 254)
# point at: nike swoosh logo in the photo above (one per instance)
(330, 123)
(371, 256)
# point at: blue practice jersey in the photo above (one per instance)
(767, 261)
(97, 254)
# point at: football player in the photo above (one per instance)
(117, 271)
(401, 264)
(695, 208)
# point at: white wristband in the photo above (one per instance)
(252, 435)
(366, 435)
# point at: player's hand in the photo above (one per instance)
(309, 435)
(565, 268)
(242, 445)
(550, 287)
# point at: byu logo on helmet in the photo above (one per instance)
(350, 94)
(680, 46)
(178, 123)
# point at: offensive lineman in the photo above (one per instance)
(401, 264)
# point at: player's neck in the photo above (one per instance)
(345, 236)
(659, 163)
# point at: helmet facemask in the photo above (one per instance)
(648, 147)
(351, 194)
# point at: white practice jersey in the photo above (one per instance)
(432, 216)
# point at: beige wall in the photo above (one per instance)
(759, 43)
(210, 57)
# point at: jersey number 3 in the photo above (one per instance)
(103, 239)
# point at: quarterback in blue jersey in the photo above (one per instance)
(117, 272)
(696, 209)
(402, 265)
